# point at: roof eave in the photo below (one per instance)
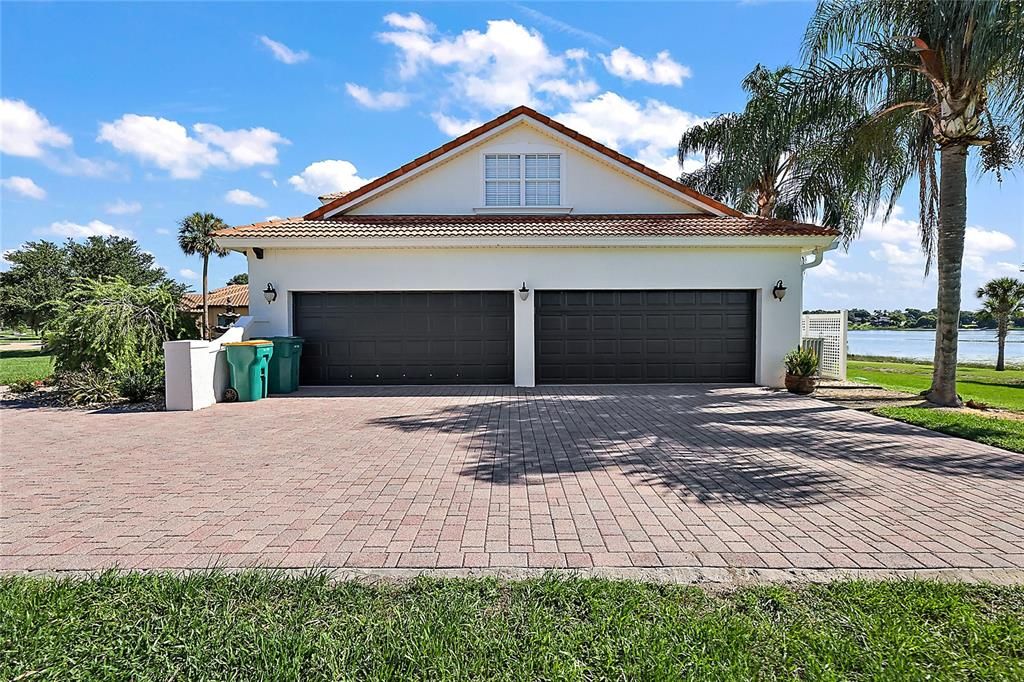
(748, 241)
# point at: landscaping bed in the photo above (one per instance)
(268, 626)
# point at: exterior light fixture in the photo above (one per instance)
(270, 293)
(524, 293)
(779, 292)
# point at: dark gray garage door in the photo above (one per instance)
(645, 336)
(405, 337)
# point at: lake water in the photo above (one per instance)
(975, 345)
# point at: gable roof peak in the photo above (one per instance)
(712, 205)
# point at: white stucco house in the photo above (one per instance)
(524, 252)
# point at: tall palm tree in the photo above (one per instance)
(939, 77)
(1003, 298)
(195, 236)
(785, 158)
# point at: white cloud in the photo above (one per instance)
(980, 243)
(26, 187)
(244, 147)
(662, 70)
(271, 218)
(240, 197)
(667, 163)
(188, 274)
(26, 132)
(380, 101)
(322, 177)
(283, 53)
(408, 22)
(1006, 269)
(653, 127)
(896, 230)
(828, 270)
(454, 127)
(499, 68)
(571, 91)
(162, 230)
(122, 207)
(900, 244)
(168, 145)
(94, 228)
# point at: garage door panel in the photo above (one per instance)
(644, 336)
(404, 337)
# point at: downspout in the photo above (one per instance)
(819, 256)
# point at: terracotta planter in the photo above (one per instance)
(800, 385)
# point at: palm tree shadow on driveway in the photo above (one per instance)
(714, 444)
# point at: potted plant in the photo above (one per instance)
(801, 371)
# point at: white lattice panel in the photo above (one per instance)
(831, 328)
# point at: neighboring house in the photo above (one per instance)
(225, 303)
(524, 252)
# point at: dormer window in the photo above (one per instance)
(522, 180)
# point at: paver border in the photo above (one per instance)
(726, 578)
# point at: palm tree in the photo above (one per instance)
(1003, 299)
(195, 236)
(783, 158)
(938, 77)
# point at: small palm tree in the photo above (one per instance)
(781, 158)
(1003, 298)
(195, 236)
(939, 78)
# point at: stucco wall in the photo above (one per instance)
(591, 183)
(778, 323)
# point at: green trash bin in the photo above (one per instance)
(248, 362)
(284, 364)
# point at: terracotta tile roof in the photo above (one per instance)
(238, 293)
(331, 196)
(593, 225)
(494, 123)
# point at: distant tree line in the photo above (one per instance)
(914, 318)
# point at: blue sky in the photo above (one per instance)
(122, 118)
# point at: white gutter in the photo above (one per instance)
(819, 255)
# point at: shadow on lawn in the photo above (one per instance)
(717, 444)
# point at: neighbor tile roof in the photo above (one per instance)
(238, 293)
(346, 197)
(592, 225)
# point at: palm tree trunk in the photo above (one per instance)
(949, 262)
(1004, 328)
(206, 302)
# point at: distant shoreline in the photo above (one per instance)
(861, 328)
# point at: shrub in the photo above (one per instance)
(138, 384)
(113, 324)
(87, 386)
(801, 362)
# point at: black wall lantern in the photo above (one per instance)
(270, 293)
(779, 292)
(524, 293)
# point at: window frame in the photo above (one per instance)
(522, 180)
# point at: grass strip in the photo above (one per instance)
(260, 625)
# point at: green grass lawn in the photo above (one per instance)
(265, 626)
(998, 389)
(31, 364)
(1004, 433)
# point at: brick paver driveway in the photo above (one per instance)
(497, 477)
